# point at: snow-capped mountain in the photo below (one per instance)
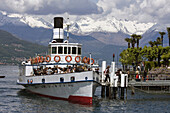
(88, 25)
(107, 30)
(82, 25)
(23, 20)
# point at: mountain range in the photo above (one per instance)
(101, 36)
(14, 50)
(107, 29)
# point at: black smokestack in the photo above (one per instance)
(58, 22)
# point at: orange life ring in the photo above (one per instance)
(48, 58)
(35, 60)
(85, 60)
(42, 58)
(59, 58)
(77, 60)
(89, 61)
(93, 61)
(68, 56)
(39, 59)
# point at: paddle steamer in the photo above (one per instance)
(63, 73)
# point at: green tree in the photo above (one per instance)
(128, 40)
(168, 29)
(133, 40)
(162, 36)
(151, 43)
(138, 37)
(166, 55)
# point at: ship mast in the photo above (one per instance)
(68, 28)
(67, 32)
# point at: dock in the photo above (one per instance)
(151, 86)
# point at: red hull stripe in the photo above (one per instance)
(74, 99)
(80, 99)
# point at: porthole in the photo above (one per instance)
(61, 79)
(72, 79)
(43, 80)
(86, 78)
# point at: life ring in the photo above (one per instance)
(88, 60)
(77, 60)
(85, 59)
(48, 58)
(68, 56)
(39, 60)
(35, 60)
(42, 58)
(93, 61)
(59, 58)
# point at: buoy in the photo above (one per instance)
(78, 58)
(48, 58)
(68, 56)
(59, 58)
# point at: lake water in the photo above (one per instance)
(14, 99)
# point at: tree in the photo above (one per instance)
(168, 29)
(157, 42)
(151, 43)
(138, 37)
(129, 41)
(166, 55)
(162, 35)
(133, 40)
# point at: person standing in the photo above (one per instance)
(107, 73)
(145, 74)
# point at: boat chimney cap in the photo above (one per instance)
(58, 22)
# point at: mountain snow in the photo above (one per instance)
(18, 19)
(82, 25)
(88, 25)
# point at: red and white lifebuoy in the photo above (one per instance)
(79, 59)
(93, 61)
(85, 60)
(59, 58)
(48, 58)
(67, 59)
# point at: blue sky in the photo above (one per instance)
(155, 11)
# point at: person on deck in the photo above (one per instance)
(107, 73)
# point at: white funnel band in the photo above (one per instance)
(58, 33)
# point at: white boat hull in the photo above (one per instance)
(80, 91)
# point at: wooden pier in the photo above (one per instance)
(151, 86)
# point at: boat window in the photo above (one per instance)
(72, 79)
(79, 51)
(54, 50)
(73, 50)
(49, 50)
(60, 50)
(69, 50)
(65, 50)
(61, 79)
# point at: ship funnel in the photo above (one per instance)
(58, 32)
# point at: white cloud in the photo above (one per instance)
(43, 7)
(141, 10)
(156, 11)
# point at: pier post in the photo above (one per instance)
(103, 69)
(132, 90)
(103, 91)
(112, 80)
(107, 90)
(111, 93)
(122, 93)
(123, 85)
(114, 92)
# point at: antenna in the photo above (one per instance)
(68, 28)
